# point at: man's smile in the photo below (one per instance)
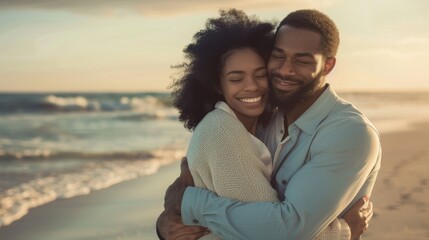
(285, 85)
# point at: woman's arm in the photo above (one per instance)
(223, 156)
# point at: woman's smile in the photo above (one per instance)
(251, 100)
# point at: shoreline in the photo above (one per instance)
(128, 210)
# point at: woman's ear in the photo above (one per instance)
(218, 90)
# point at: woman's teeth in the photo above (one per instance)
(251, 100)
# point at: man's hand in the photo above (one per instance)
(169, 224)
(358, 217)
(174, 194)
(185, 174)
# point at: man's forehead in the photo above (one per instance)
(297, 39)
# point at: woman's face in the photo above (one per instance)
(244, 82)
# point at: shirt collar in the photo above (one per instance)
(311, 118)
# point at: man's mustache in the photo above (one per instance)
(287, 78)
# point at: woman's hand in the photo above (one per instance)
(358, 217)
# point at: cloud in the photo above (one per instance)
(153, 7)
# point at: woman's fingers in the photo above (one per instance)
(360, 205)
(367, 214)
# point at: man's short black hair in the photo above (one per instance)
(318, 22)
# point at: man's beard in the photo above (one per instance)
(286, 102)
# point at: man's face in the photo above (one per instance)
(296, 66)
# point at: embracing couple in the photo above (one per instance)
(275, 153)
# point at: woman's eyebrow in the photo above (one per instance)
(234, 72)
(260, 68)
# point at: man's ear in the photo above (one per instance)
(329, 65)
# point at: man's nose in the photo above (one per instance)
(286, 68)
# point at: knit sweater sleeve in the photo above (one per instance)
(223, 159)
(337, 230)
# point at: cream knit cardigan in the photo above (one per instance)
(223, 158)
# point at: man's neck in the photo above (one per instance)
(292, 115)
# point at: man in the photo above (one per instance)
(326, 153)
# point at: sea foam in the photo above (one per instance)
(16, 201)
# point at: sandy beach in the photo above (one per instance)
(128, 210)
(401, 195)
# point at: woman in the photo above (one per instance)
(222, 97)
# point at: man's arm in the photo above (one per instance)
(169, 224)
(315, 196)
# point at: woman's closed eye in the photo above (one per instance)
(261, 75)
(235, 80)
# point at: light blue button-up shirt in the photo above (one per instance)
(330, 160)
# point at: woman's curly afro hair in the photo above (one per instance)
(195, 92)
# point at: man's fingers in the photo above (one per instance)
(193, 236)
(184, 163)
(170, 191)
(168, 224)
(174, 228)
(192, 229)
(184, 166)
(185, 173)
(190, 232)
(173, 196)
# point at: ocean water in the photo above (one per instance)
(63, 145)
(60, 145)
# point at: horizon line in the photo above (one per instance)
(166, 91)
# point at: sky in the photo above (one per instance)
(130, 45)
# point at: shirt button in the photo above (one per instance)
(195, 221)
(282, 131)
(284, 182)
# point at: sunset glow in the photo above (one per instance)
(130, 45)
